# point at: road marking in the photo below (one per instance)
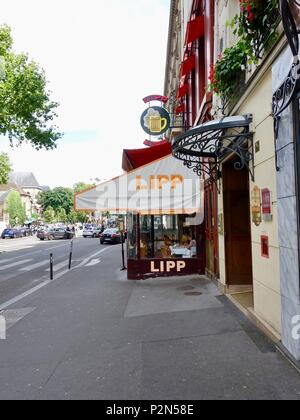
(93, 262)
(23, 295)
(34, 266)
(5, 267)
(86, 260)
(57, 267)
(46, 283)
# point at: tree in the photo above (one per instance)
(82, 186)
(61, 215)
(5, 168)
(15, 209)
(49, 215)
(58, 198)
(26, 110)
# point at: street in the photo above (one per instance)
(25, 262)
(91, 334)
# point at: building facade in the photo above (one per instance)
(233, 135)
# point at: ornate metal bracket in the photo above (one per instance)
(284, 96)
(204, 148)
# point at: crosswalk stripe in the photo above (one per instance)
(15, 264)
(57, 267)
(34, 266)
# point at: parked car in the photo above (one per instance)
(112, 236)
(56, 233)
(44, 234)
(11, 233)
(92, 232)
(26, 232)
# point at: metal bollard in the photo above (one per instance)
(71, 255)
(51, 266)
(123, 254)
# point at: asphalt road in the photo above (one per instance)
(91, 334)
(25, 262)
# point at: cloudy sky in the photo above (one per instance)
(101, 58)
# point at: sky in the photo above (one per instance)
(101, 58)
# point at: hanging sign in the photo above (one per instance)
(256, 206)
(266, 205)
(155, 121)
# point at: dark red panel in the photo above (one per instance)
(195, 30)
(133, 159)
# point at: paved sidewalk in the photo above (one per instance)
(94, 335)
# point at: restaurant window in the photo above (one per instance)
(132, 235)
(167, 236)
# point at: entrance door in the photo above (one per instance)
(237, 225)
(211, 229)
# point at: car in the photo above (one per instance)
(61, 233)
(26, 232)
(92, 231)
(45, 234)
(112, 236)
(56, 233)
(11, 233)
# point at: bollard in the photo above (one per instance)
(51, 266)
(123, 254)
(71, 255)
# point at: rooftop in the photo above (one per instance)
(24, 179)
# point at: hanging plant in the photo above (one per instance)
(228, 70)
(255, 25)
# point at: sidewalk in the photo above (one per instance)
(94, 335)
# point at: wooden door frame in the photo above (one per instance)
(226, 221)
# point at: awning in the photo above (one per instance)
(204, 147)
(136, 158)
(161, 187)
(195, 30)
(188, 65)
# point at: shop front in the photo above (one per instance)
(164, 245)
(163, 201)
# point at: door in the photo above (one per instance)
(211, 229)
(237, 222)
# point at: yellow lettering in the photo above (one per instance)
(170, 265)
(153, 269)
(176, 179)
(162, 180)
(180, 266)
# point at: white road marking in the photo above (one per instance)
(93, 262)
(34, 266)
(45, 283)
(86, 260)
(5, 267)
(57, 267)
(23, 295)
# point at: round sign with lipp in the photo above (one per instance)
(155, 121)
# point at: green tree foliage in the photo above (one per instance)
(81, 186)
(61, 215)
(49, 215)
(26, 110)
(15, 209)
(58, 198)
(5, 168)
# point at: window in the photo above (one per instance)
(167, 237)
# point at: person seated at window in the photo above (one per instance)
(192, 246)
(144, 250)
(167, 241)
(185, 240)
